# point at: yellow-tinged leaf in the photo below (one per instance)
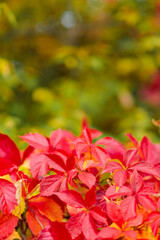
(6, 177)
(47, 207)
(114, 225)
(13, 235)
(19, 209)
(117, 188)
(34, 192)
(20, 201)
(145, 233)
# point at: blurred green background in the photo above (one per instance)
(63, 60)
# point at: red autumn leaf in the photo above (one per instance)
(90, 197)
(130, 234)
(87, 178)
(136, 181)
(154, 218)
(42, 210)
(113, 212)
(7, 196)
(113, 193)
(36, 221)
(149, 151)
(39, 166)
(46, 207)
(120, 177)
(94, 132)
(72, 198)
(74, 224)
(7, 224)
(98, 215)
(50, 184)
(109, 233)
(56, 231)
(9, 155)
(128, 208)
(89, 228)
(36, 140)
(46, 233)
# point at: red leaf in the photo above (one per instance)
(56, 137)
(109, 233)
(59, 231)
(36, 221)
(146, 168)
(87, 178)
(110, 142)
(130, 157)
(46, 234)
(39, 166)
(89, 228)
(9, 155)
(120, 177)
(136, 181)
(72, 198)
(56, 162)
(133, 139)
(86, 135)
(146, 202)
(98, 215)
(128, 208)
(149, 151)
(7, 196)
(36, 140)
(7, 224)
(74, 224)
(50, 184)
(130, 234)
(155, 225)
(100, 154)
(111, 192)
(90, 197)
(46, 207)
(112, 166)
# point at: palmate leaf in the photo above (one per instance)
(7, 196)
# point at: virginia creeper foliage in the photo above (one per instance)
(79, 188)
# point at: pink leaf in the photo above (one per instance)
(136, 181)
(39, 166)
(128, 208)
(130, 234)
(7, 196)
(8, 150)
(146, 202)
(36, 140)
(120, 177)
(87, 178)
(109, 233)
(72, 198)
(89, 228)
(74, 224)
(50, 184)
(90, 197)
